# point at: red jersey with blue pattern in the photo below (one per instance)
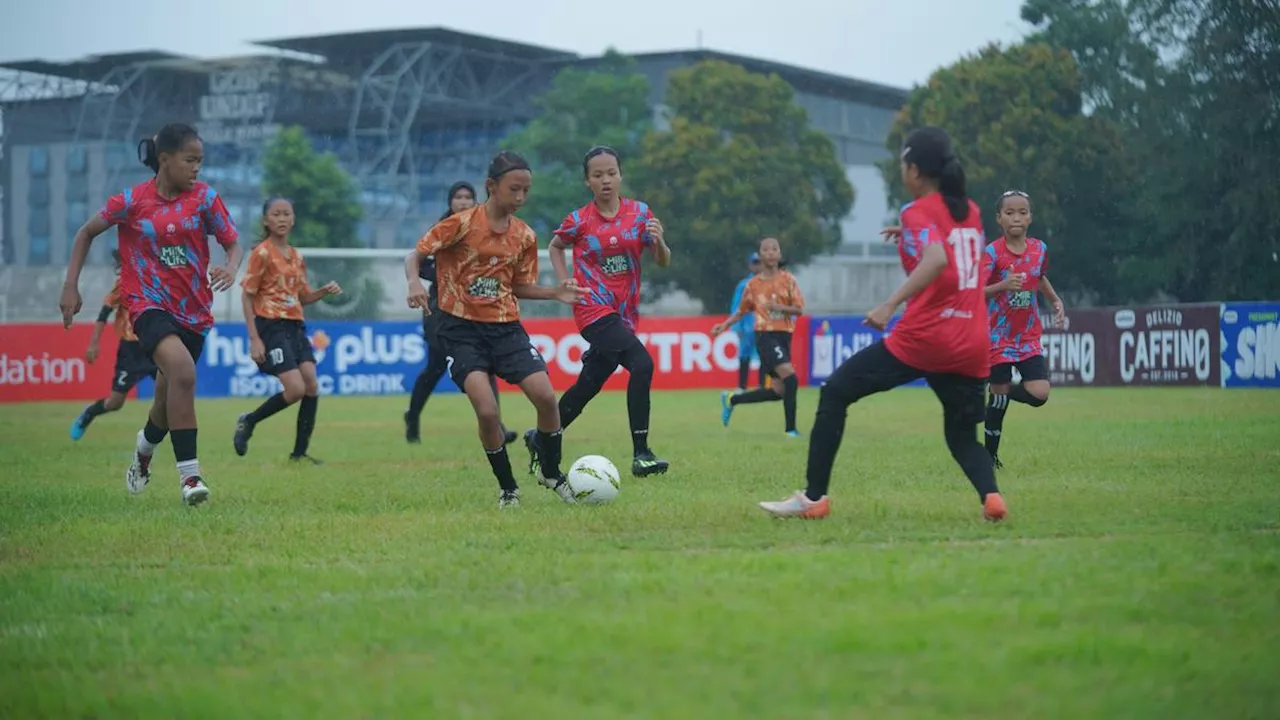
(164, 250)
(606, 260)
(1015, 320)
(944, 328)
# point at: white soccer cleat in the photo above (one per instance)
(508, 499)
(194, 491)
(798, 505)
(138, 474)
(561, 486)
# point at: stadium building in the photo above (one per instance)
(406, 111)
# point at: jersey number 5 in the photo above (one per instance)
(966, 246)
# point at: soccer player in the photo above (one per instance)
(609, 235)
(461, 197)
(167, 287)
(746, 328)
(132, 364)
(273, 291)
(486, 259)
(942, 337)
(774, 298)
(1014, 270)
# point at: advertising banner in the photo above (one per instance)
(1141, 345)
(834, 339)
(46, 362)
(1250, 336)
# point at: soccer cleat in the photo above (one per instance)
(726, 408)
(798, 506)
(995, 462)
(194, 491)
(993, 508)
(244, 431)
(561, 486)
(138, 474)
(508, 499)
(509, 436)
(645, 464)
(299, 458)
(793, 433)
(411, 430)
(531, 444)
(80, 424)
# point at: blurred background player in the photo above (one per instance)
(486, 260)
(1014, 269)
(461, 197)
(608, 236)
(942, 336)
(167, 288)
(746, 329)
(273, 291)
(773, 298)
(132, 364)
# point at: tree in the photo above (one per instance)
(1016, 117)
(607, 105)
(328, 211)
(740, 162)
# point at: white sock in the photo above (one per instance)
(145, 448)
(189, 469)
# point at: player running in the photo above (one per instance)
(167, 287)
(942, 337)
(774, 298)
(609, 235)
(486, 259)
(746, 328)
(132, 364)
(273, 291)
(1014, 270)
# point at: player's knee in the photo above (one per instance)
(180, 379)
(311, 386)
(641, 364)
(488, 417)
(831, 398)
(293, 387)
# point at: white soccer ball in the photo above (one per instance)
(594, 480)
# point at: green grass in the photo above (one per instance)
(1138, 575)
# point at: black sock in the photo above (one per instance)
(153, 433)
(824, 442)
(962, 441)
(269, 407)
(763, 375)
(306, 424)
(758, 395)
(99, 407)
(501, 464)
(789, 388)
(997, 406)
(549, 449)
(638, 406)
(744, 371)
(1018, 393)
(184, 444)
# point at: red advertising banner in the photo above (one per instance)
(1141, 345)
(46, 362)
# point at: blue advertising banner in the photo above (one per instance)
(834, 339)
(1251, 344)
(352, 358)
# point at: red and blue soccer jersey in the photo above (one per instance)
(164, 250)
(1015, 321)
(606, 260)
(944, 328)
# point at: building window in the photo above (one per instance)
(38, 221)
(38, 193)
(77, 160)
(39, 250)
(38, 160)
(77, 214)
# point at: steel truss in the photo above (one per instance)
(112, 109)
(407, 80)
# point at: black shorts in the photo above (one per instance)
(153, 326)
(874, 370)
(501, 349)
(612, 343)
(1033, 368)
(431, 331)
(775, 349)
(286, 345)
(132, 365)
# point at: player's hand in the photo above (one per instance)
(718, 328)
(1014, 281)
(69, 303)
(569, 292)
(91, 353)
(654, 226)
(257, 351)
(417, 295)
(879, 317)
(893, 233)
(1059, 312)
(221, 278)
(331, 288)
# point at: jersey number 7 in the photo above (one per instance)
(966, 246)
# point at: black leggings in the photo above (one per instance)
(612, 344)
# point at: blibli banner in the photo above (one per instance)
(835, 339)
(1251, 344)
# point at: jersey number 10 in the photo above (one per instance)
(966, 247)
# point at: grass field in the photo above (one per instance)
(1138, 575)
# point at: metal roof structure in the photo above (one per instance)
(370, 43)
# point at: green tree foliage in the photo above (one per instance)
(605, 105)
(740, 162)
(326, 204)
(1016, 117)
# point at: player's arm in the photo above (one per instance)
(745, 308)
(933, 260)
(104, 316)
(994, 287)
(69, 302)
(309, 296)
(562, 239)
(796, 304)
(223, 228)
(657, 241)
(442, 235)
(249, 287)
(524, 281)
(1059, 309)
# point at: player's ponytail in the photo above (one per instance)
(929, 149)
(951, 185)
(148, 156)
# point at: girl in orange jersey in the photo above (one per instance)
(274, 289)
(774, 298)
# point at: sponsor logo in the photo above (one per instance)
(40, 370)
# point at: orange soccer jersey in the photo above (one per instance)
(123, 327)
(277, 281)
(761, 291)
(477, 268)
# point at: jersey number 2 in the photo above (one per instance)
(966, 246)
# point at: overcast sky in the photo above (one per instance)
(896, 43)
